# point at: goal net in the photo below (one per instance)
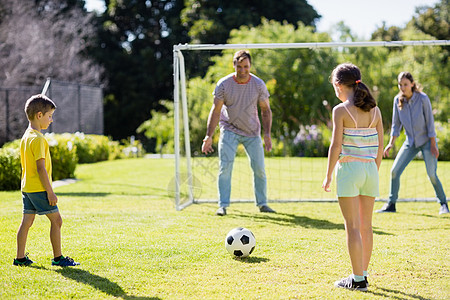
(302, 98)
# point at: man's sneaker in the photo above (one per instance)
(351, 284)
(222, 211)
(388, 207)
(27, 261)
(65, 262)
(443, 209)
(266, 209)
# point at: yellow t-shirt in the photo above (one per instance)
(33, 147)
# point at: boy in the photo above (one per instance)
(36, 185)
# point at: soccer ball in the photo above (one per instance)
(240, 242)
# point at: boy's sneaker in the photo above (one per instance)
(351, 284)
(27, 261)
(65, 262)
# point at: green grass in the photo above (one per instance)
(132, 244)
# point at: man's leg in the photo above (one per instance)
(255, 151)
(227, 151)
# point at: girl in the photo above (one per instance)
(357, 149)
(412, 110)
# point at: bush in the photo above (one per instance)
(66, 151)
(63, 154)
(10, 171)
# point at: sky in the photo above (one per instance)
(362, 16)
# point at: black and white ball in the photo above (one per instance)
(240, 242)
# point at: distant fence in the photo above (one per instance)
(79, 108)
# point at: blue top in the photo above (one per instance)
(416, 117)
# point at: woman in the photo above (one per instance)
(412, 110)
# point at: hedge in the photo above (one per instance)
(66, 150)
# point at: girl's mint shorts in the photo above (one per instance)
(357, 178)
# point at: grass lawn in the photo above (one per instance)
(121, 225)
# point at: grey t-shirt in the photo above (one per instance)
(240, 110)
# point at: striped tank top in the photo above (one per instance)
(359, 143)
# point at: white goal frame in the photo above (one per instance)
(179, 94)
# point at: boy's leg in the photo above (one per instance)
(22, 234)
(55, 232)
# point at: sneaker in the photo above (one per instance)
(351, 284)
(27, 261)
(266, 209)
(367, 282)
(222, 211)
(388, 207)
(443, 209)
(65, 262)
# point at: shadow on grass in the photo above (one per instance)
(303, 221)
(252, 259)
(100, 283)
(82, 194)
(394, 294)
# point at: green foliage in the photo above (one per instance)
(443, 138)
(10, 171)
(92, 148)
(210, 22)
(66, 150)
(161, 128)
(64, 155)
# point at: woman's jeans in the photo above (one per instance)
(228, 144)
(404, 156)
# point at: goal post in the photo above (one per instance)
(185, 184)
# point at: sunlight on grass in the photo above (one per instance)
(120, 223)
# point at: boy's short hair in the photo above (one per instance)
(241, 55)
(38, 103)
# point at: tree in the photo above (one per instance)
(435, 20)
(210, 21)
(134, 45)
(386, 34)
(45, 38)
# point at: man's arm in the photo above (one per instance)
(213, 120)
(43, 176)
(266, 118)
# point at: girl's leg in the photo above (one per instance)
(351, 211)
(55, 232)
(366, 204)
(22, 234)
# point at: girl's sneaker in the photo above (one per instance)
(65, 262)
(351, 284)
(27, 261)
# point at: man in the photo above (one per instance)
(236, 100)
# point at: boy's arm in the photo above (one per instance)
(43, 176)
